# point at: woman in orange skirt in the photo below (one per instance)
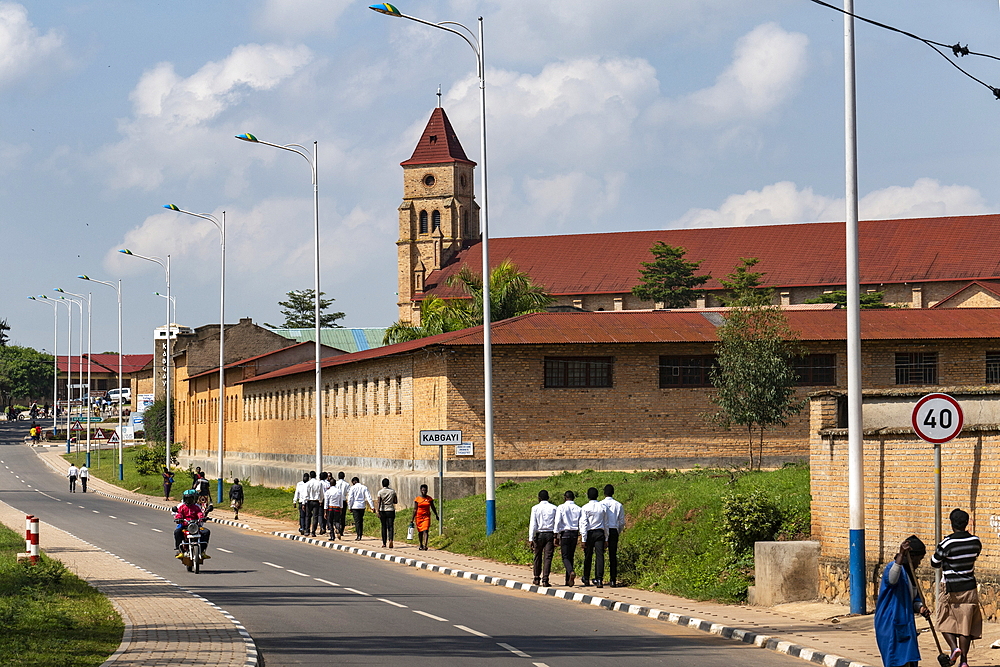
(423, 505)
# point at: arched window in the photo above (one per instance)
(436, 219)
(423, 222)
(465, 223)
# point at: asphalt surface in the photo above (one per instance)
(305, 605)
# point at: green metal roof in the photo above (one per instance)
(342, 338)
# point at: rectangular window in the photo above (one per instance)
(561, 372)
(916, 368)
(993, 368)
(686, 371)
(816, 369)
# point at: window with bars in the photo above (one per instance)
(916, 368)
(686, 371)
(816, 369)
(568, 372)
(423, 222)
(993, 368)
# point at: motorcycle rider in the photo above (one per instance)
(188, 510)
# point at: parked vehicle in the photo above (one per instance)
(115, 395)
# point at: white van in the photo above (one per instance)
(125, 392)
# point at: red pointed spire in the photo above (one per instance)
(438, 143)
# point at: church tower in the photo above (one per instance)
(439, 215)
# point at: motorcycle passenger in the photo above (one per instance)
(185, 512)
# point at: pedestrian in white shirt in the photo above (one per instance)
(312, 492)
(325, 479)
(299, 500)
(72, 474)
(594, 533)
(84, 474)
(333, 505)
(568, 533)
(357, 496)
(616, 524)
(541, 537)
(344, 488)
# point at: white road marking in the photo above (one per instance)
(432, 616)
(225, 551)
(471, 631)
(520, 654)
(324, 581)
(133, 523)
(157, 530)
(29, 486)
(539, 664)
(95, 511)
(46, 495)
(298, 573)
(273, 565)
(81, 507)
(354, 590)
(112, 517)
(394, 604)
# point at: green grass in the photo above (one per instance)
(48, 616)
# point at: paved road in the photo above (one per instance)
(307, 606)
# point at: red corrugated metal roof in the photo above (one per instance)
(242, 362)
(106, 363)
(688, 326)
(992, 289)
(892, 251)
(438, 143)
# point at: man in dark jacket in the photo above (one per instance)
(236, 497)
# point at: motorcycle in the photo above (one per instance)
(191, 543)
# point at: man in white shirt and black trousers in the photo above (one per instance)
(568, 533)
(541, 537)
(299, 500)
(594, 533)
(313, 494)
(616, 524)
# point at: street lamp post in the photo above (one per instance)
(118, 290)
(313, 161)
(221, 226)
(173, 304)
(69, 358)
(55, 358)
(167, 346)
(89, 352)
(476, 43)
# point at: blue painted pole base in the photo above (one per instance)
(491, 516)
(857, 572)
(88, 459)
(68, 448)
(220, 492)
(121, 471)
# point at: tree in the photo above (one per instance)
(743, 286)
(839, 297)
(754, 376)
(24, 373)
(436, 316)
(300, 311)
(155, 422)
(4, 328)
(670, 279)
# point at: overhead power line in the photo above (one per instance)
(957, 49)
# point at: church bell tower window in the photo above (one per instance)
(423, 222)
(436, 219)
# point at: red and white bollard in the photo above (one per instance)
(31, 537)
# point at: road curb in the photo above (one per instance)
(768, 642)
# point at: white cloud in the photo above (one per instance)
(569, 196)
(300, 17)
(783, 203)
(23, 50)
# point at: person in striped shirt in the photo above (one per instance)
(959, 617)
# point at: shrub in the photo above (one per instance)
(149, 460)
(747, 518)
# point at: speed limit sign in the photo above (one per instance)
(937, 418)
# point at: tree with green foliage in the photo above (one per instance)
(512, 293)
(754, 376)
(669, 279)
(4, 328)
(743, 286)
(25, 373)
(839, 297)
(155, 422)
(300, 311)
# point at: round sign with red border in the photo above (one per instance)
(937, 418)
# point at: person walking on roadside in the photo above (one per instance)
(423, 505)
(168, 482)
(568, 533)
(594, 533)
(357, 496)
(616, 524)
(236, 498)
(72, 474)
(324, 479)
(333, 506)
(312, 492)
(895, 629)
(299, 500)
(959, 616)
(344, 488)
(84, 474)
(541, 538)
(385, 505)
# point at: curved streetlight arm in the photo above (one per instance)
(298, 149)
(204, 216)
(473, 42)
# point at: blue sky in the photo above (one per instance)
(603, 116)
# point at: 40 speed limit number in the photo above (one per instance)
(937, 418)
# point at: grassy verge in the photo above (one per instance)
(48, 616)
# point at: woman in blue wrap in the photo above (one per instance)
(898, 601)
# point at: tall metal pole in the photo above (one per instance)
(121, 463)
(69, 365)
(168, 346)
(319, 369)
(89, 364)
(855, 436)
(55, 366)
(222, 358)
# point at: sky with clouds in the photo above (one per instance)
(602, 116)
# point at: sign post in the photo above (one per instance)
(440, 439)
(937, 418)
